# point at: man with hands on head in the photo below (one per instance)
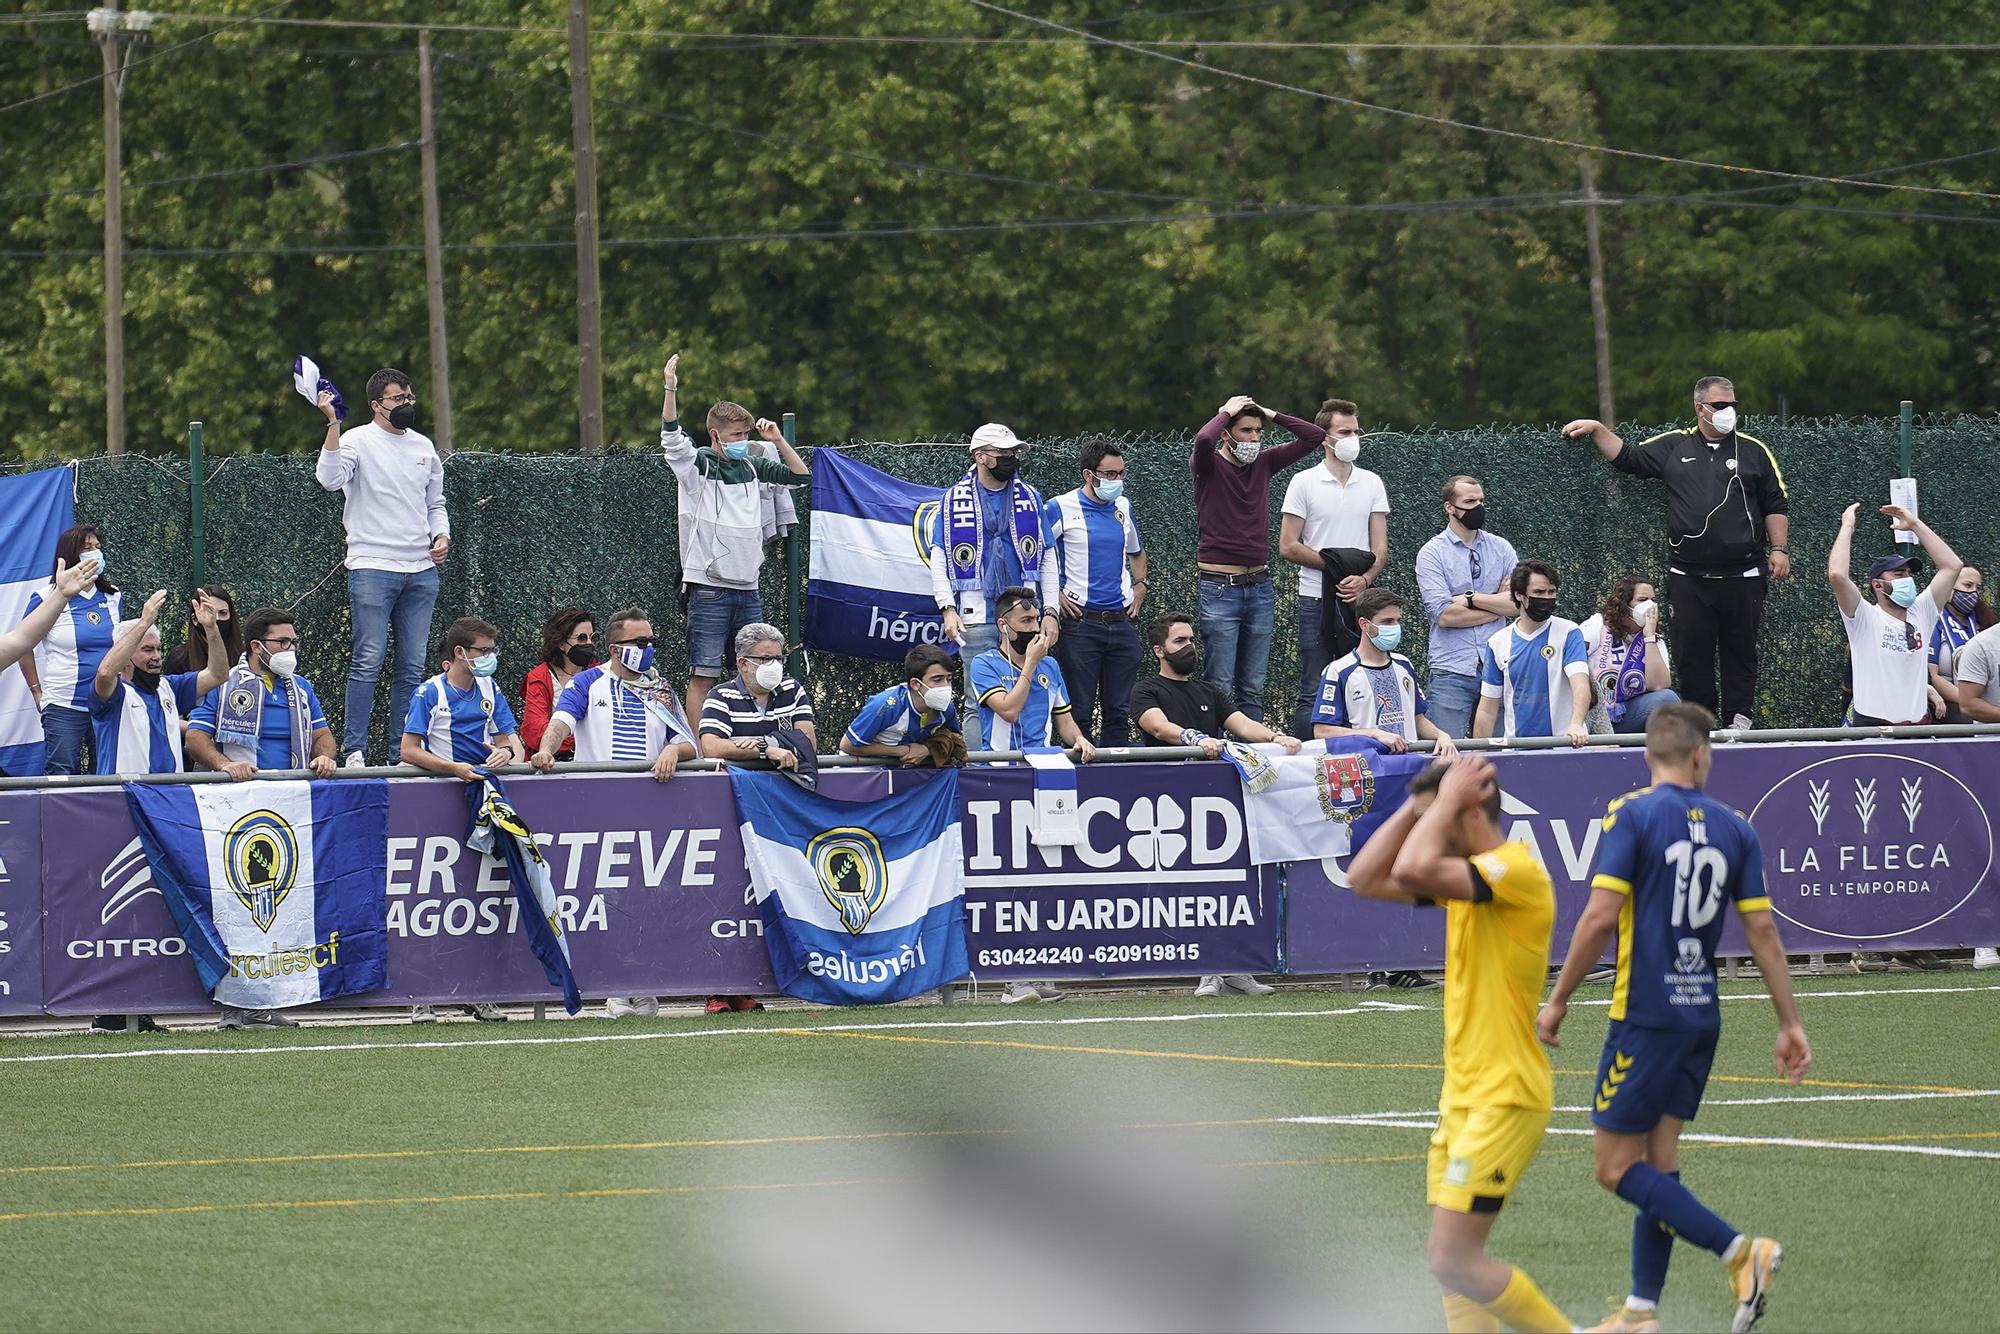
(136, 710)
(1887, 643)
(1177, 708)
(1373, 691)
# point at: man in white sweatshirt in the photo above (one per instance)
(397, 536)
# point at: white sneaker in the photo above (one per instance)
(1209, 987)
(1247, 985)
(617, 1007)
(1740, 722)
(423, 1014)
(1047, 992)
(1986, 957)
(1018, 992)
(485, 1012)
(355, 760)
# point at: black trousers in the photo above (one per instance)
(1711, 617)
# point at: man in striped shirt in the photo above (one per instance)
(741, 715)
(1022, 698)
(618, 710)
(1095, 539)
(137, 712)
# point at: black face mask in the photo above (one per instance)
(1184, 659)
(403, 416)
(1473, 517)
(1005, 466)
(1540, 609)
(146, 681)
(1022, 639)
(581, 655)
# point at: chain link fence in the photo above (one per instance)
(533, 532)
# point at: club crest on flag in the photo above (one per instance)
(1346, 786)
(260, 859)
(853, 874)
(921, 525)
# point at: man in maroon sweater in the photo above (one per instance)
(1232, 470)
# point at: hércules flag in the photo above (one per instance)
(868, 579)
(35, 507)
(1322, 802)
(499, 832)
(863, 902)
(280, 889)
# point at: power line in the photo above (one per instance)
(1520, 135)
(134, 64)
(222, 174)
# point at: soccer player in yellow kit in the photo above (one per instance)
(1444, 845)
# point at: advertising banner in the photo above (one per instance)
(20, 903)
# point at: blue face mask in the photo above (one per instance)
(1902, 590)
(1388, 636)
(1110, 490)
(736, 449)
(485, 664)
(637, 658)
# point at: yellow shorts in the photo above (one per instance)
(1478, 1154)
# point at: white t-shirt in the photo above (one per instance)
(394, 486)
(1979, 665)
(1891, 660)
(1333, 513)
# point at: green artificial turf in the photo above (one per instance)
(969, 1167)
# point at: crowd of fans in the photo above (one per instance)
(1042, 601)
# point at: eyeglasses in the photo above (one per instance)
(1472, 554)
(763, 657)
(291, 642)
(647, 642)
(481, 650)
(1911, 640)
(1104, 476)
(398, 402)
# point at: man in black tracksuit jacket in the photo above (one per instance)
(1727, 520)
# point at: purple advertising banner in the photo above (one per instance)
(1866, 847)
(20, 903)
(656, 900)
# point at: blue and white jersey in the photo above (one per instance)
(138, 733)
(459, 725)
(609, 720)
(274, 727)
(1353, 694)
(1092, 538)
(66, 661)
(892, 718)
(993, 676)
(1542, 669)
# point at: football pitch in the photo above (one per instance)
(1102, 1163)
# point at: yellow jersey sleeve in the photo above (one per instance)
(1512, 875)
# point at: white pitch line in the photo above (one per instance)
(1381, 1121)
(794, 1030)
(1836, 995)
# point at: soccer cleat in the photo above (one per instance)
(1209, 987)
(1627, 1320)
(1750, 1276)
(423, 1014)
(1986, 957)
(485, 1012)
(745, 1004)
(1247, 985)
(716, 1005)
(1410, 980)
(1017, 992)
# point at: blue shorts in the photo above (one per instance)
(714, 615)
(1648, 1073)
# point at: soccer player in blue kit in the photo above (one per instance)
(1669, 858)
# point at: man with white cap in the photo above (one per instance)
(989, 535)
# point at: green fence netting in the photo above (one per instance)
(537, 531)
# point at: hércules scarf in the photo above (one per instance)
(965, 531)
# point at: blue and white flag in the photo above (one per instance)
(499, 832)
(280, 889)
(1056, 822)
(1323, 802)
(34, 509)
(863, 902)
(868, 580)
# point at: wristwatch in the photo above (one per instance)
(763, 747)
(1470, 605)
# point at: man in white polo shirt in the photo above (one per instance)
(1333, 506)
(1888, 640)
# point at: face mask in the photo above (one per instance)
(1388, 636)
(284, 664)
(581, 655)
(1246, 451)
(146, 681)
(736, 449)
(937, 698)
(1022, 639)
(1347, 448)
(1473, 517)
(635, 657)
(769, 674)
(1723, 420)
(1540, 609)
(485, 664)
(1964, 602)
(403, 416)
(1639, 610)
(1183, 660)
(1005, 466)
(1111, 490)
(1902, 590)
(94, 556)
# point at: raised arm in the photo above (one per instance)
(18, 643)
(217, 670)
(1426, 866)
(113, 663)
(775, 435)
(1942, 556)
(1840, 560)
(1609, 443)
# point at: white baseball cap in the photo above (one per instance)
(994, 436)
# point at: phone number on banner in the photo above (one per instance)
(1175, 952)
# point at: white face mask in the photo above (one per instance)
(1723, 420)
(284, 664)
(769, 674)
(1639, 610)
(1347, 448)
(937, 698)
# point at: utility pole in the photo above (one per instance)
(589, 325)
(1600, 316)
(116, 35)
(433, 249)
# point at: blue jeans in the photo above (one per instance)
(1312, 664)
(1100, 658)
(1453, 697)
(64, 731)
(1236, 639)
(1640, 707)
(978, 638)
(714, 616)
(377, 600)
